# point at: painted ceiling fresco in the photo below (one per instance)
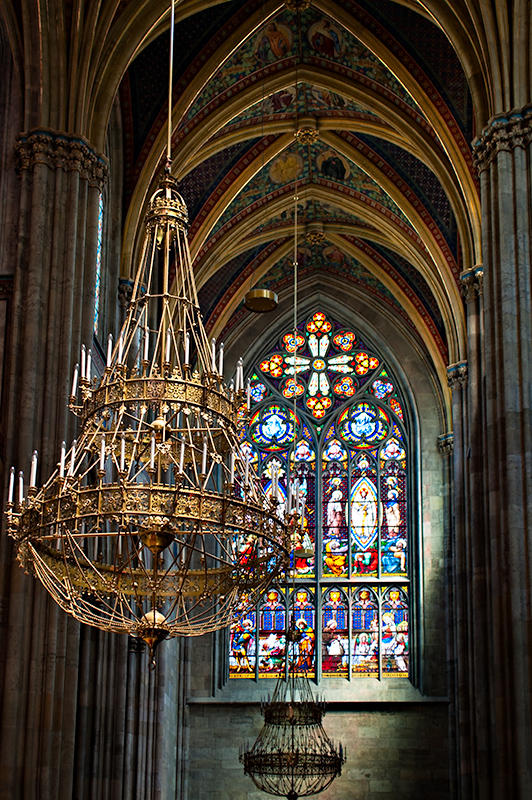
(316, 163)
(322, 41)
(391, 111)
(308, 99)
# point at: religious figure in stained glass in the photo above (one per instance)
(342, 459)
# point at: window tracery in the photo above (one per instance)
(346, 455)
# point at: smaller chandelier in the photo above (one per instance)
(154, 523)
(293, 756)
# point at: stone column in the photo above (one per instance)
(75, 704)
(502, 487)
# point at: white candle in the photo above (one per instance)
(239, 375)
(275, 479)
(295, 497)
(231, 389)
(182, 456)
(83, 361)
(221, 359)
(152, 452)
(187, 348)
(89, 364)
(122, 453)
(62, 460)
(11, 485)
(213, 354)
(248, 394)
(20, 487)
(146, 342)
(232, 476)
(167, 353)
(33, 471)
(102, 453)
(72, 457)
(109, 349)
(246, 472)
(120, 348)
(75, 381)
(204, 458)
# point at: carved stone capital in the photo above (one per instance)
(59, 150)
(457, 375)
(471, 283)
(446, 443)
(504, 132)
(125, 292)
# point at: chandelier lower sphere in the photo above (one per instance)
(154, 522)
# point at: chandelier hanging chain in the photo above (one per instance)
(170, 85)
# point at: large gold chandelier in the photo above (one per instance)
(154, 522)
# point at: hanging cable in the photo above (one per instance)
(170, 87)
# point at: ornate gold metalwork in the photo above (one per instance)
(293, 756)
(154, 524)
(307, 135)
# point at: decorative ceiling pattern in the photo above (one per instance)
(387, 182)
(310, 100)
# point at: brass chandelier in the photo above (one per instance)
(154, 522)
(293, 756)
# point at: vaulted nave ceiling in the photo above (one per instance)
(388, 200)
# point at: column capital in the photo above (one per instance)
(446, 443)
(503, 132)
(471, 282)
(59, 150)
(457, 375)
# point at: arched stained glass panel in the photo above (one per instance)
(345, 454)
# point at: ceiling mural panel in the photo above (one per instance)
(317, 163)
(311, 99)
(322, 41)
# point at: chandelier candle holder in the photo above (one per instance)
(293, 756)
(153, 523)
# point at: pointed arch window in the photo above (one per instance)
(348, 453)
(98, 278)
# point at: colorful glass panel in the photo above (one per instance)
(394, 632)
(363, 425)
(303, 652)
(272, 634)
(335, 537)
(335, 634)
(242, 654)
(365, 633)
(273, 427)
(98, 279)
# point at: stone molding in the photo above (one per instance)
(59, 150)
(504, 132)
(457, 375)
(446, 443)
(471, 283)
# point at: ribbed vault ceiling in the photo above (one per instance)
(389, 180)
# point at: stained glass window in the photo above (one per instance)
(98, 279)
(345, 454)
